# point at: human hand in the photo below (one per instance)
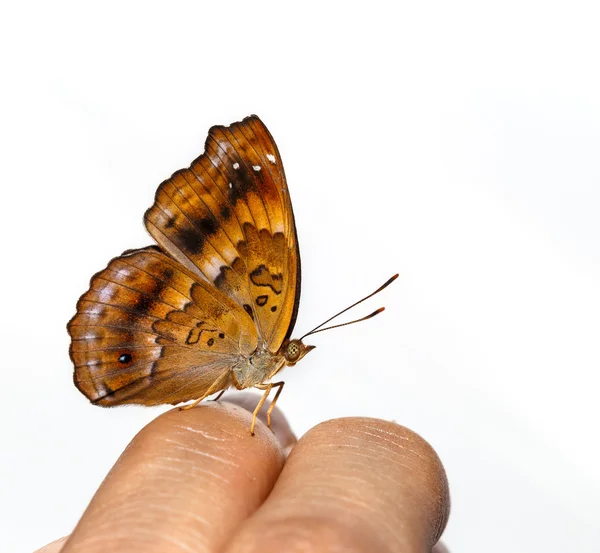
(196, 481)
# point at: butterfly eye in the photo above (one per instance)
(125, 358)
(292, 351)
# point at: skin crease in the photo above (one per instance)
(196, 481)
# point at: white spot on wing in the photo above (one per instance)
(123, 272)
(211, 271)
(106, 294)
(230, 185)
(257, 168)
(229, 255)
(236, 165)
(271, 158)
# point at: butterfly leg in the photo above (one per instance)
(267, 388)
(279, 386)
(219, 396)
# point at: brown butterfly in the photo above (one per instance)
(214, 305)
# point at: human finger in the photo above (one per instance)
(354, 484)
(184, 483)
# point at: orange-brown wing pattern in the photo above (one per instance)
(149, 331)
(228, 219)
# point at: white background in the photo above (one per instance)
(454, 142)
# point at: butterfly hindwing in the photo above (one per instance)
(228, 219)
(149, 331)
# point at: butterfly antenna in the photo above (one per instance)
(345, 324)
(319, 329)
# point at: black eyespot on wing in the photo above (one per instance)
(241, 184)
(273, 308)
(210, 342)
(208, 225)
(191, 240)
(125, 358)
(221, 335)
(143, 304)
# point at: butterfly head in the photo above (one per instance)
(294, 350)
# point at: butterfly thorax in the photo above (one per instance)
(257, 367)
(263, 364)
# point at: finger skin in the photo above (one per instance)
(53, 547)
(184, 483)
(355, 485)
(56, 547)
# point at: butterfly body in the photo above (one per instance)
(256, 369)
(263, 365)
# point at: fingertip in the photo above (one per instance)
(201, 462)
(233, 416)
(355, 483)
(422, 477)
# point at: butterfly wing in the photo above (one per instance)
(149, 331)
(228, 219)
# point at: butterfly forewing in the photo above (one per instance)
(228, 218)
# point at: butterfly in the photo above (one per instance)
(213, 304)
